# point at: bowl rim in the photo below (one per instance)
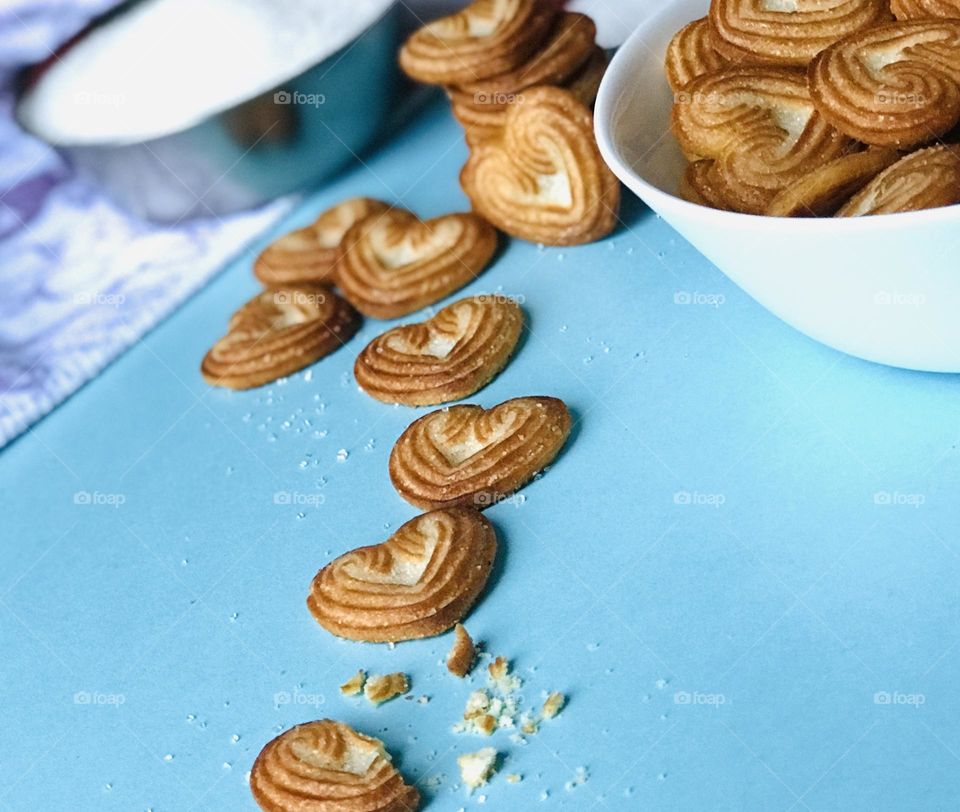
(615, 84)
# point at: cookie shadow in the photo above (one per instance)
(633, 211)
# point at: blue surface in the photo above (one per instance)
(708, 570)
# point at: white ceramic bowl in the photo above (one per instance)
(883, 288)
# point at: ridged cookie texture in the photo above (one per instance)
(691, 53)
(895, 85)
(788, 33)
(449, 356)
(278, 332)
(486, 38)
(309, 254)
(418, 583)
(761, 128)
(924, 9)
(468, 455)
(326, 766)
(925, 179)
(543, 180)
(395, 263)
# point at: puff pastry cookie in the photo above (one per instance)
(396, 263)
(923, 9)
(701, 185)
(467, 455)
(326, 765)
(788, 32)
(760, 126)
(486, 38)
(895, 85)
(543, 180)
(447, 357)
(310, 254)
(278, 332)
(925, 179)
(418, 583)
(692, 52)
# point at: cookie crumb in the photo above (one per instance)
(553, 705)
(354, 685)
(476, 768)
(381, 688)
(514, 778)
(462, 655)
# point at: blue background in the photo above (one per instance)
(748, 538)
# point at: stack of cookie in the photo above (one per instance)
(819, 109)
(522, 77)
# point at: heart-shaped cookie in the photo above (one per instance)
(543, 179)
(418, 583)
(895, 85)
(924, 9)
(700, 185)
(486, 38)
(278, 332)
(761, 128)
(788, 33)
(447, 357)
(691, 53)
(925, 179)
(327, 765)
(467, 455)
(309, 254)
(395, 263)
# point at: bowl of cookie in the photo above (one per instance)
(810, 151)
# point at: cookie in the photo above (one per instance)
(418, 583)
(483, 104)
(543, 179)
(788, 33)
(924, 9)
(278, 332)
(393, 264)
(926, 179)
(827, 188)
(895, 85)
(327, 765)
(691, 53)
(700, 185)
(462, 654)
(310, 254)
(487, 38)
(760, 126)
(467, 455)
(447, 357)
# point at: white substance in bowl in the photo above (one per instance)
(168, 64)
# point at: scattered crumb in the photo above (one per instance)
(485, 724)
(544, 795)
(354, 685)
(461, 656)
(477, 703)
(580, 777)
(476, 768)
(381, 688)
(553, 705)
(501, 680)
(514, 778)
(528, 725)
(423, 699)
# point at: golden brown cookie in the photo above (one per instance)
(326, 765)
(462, 654)
(827, 188)
(926, 179)
(278, 332)
(487, 38)
(788, 32)
(395, 263)
(691, 53)
(895, 85)
(447, 357)
(467, 455)
(543, 179)
(699, 185)
(309, 254)
(418, 583)
(760, 126)
(924, 9)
